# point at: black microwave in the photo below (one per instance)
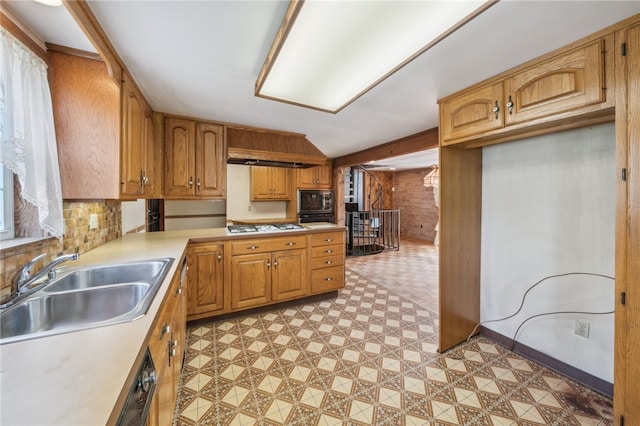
(315, 201)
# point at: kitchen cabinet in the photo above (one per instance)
(206, 279)
(627, 292)
(195, 164)
(574, 82)
(167, 345)
(270, 183)
(318, 177)
(106, 144)
(137, 148)
(268, 270)
(327, 261)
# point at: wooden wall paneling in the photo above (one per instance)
(88, 149)
(627, 318)
(460, 211)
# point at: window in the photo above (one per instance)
(6, 201)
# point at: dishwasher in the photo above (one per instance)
(136, 407)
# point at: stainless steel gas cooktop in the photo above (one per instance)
(271, 227)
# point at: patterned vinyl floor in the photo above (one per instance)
(367, 357)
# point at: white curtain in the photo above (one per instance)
(27, 133)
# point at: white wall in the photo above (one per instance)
(194, 208)
(134, 215)
(548, 207)
(239, 205)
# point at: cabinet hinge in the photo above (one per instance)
(623, 175)
(623, 49)
(623, 298)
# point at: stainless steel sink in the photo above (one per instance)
(146, 271)
(85, 298)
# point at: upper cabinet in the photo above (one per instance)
(318, 177)
(195, 154)
(576, 82)
(270, 183)
(138, 171)
(106, 145)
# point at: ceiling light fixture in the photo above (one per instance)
(327, 54)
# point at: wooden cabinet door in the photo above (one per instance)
(180, 160)
(567, 82)
(206, 278)
(472, 113)
(251, 275)
(290, 274)
(133, 143)
(161, 411)
(210, 161)
(314, 177)
(261, 183)
(280, 183)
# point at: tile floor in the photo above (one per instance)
(367, 357)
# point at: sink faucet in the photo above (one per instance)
(23, 279)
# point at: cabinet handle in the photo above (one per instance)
(199, 184)
(496, 109)
(252, 247)
(329, 262)
(329, 240)
(219, 257)
(290, 244)
(329, 251)
(178, 291)
(190, 182)
(268, 264)
(275, 264)
(329, 279)
(510, 105)
(166, 328)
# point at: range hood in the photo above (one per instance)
(258, 147)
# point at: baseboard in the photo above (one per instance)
(570, 371)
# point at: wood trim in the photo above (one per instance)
(86, 20)
(561, 367)
(8, 24)
(51, 47)
(421, 141)
(241, 154)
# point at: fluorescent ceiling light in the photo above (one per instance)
(327, 54)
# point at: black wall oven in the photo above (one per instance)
(316, 205)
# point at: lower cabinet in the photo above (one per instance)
(268, 270)
(167, 346)
(206, 279)
(327, 261)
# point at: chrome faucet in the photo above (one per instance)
(23, 279)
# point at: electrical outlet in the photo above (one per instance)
(582, 328)
(93, 221)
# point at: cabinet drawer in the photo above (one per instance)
(268, 245)
(327, 279)
(327, 261)
(331, 250)
(327, 238)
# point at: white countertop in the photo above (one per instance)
(76, 378)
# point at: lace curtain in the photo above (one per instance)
(27, 132)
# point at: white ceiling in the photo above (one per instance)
(202, 58)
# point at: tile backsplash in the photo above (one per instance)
(78, 238)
